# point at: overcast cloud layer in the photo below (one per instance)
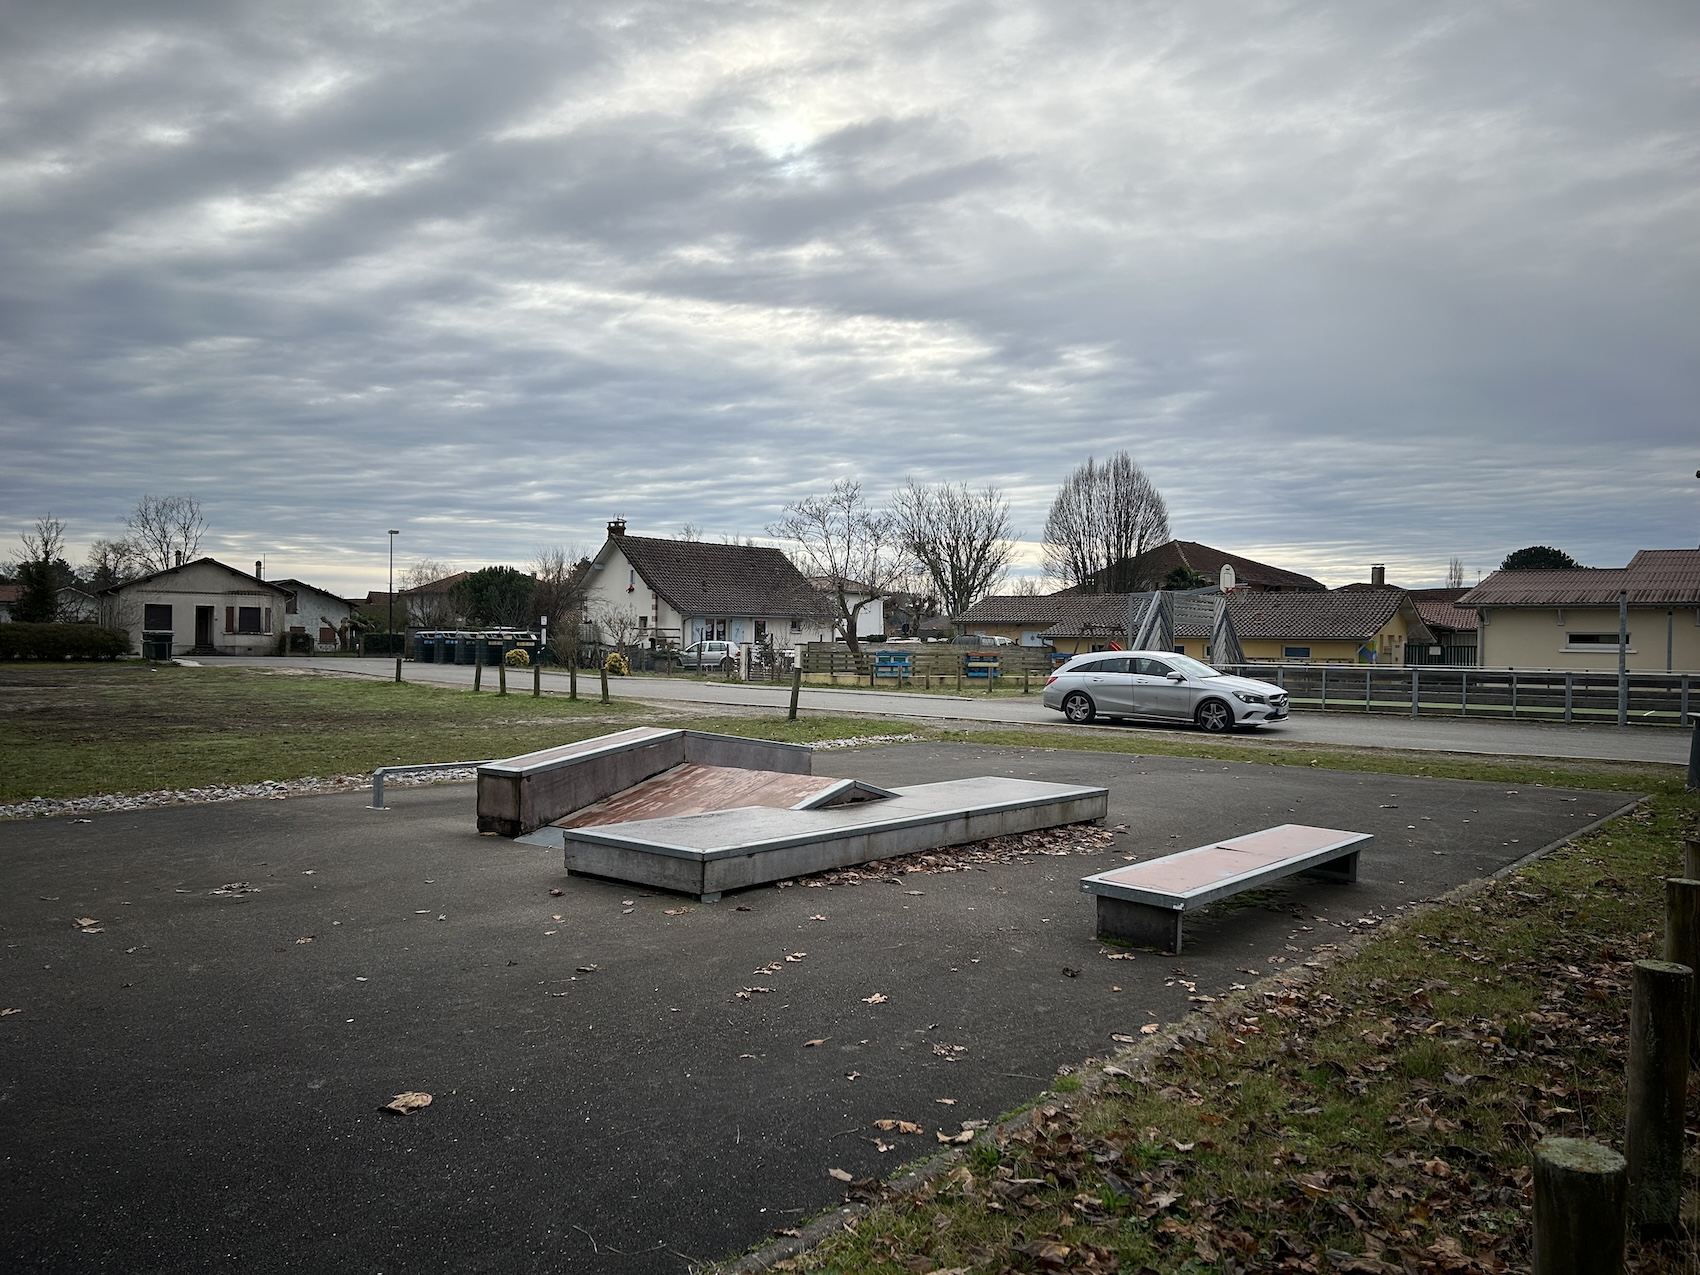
(1361, 282)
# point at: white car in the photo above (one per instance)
(1161, 685)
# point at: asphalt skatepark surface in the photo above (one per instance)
(192, 1081)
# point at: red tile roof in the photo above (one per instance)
(1209, 561)
(1350, 616)
(1654, 577)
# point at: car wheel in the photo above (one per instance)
(1214, 716)
(1078, 707)
(728, 665)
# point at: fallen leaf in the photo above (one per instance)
(306, 938)
(85, 920)
(1070, 973)
(404, 1103)
(810, 1044)
(674, 911)
(554, 893)
(796, 956)
(852, 1075)
(878, 998)
(949, 1102)
(840, 1174)
(817, 917)
(1124, 1038)
(6, 1012)
(956, 1139)
(1182, 1146)
(588, 969)
(1150, 1029)
(917, 893)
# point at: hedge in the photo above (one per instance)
(62, 642)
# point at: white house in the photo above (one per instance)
(649, 592)
(870, 620)
(309, 609)
(198, 608)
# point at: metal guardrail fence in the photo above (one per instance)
(1665, 699)
(381, 772)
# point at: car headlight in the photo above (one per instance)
(1249, 697)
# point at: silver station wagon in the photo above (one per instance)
(1161, 685)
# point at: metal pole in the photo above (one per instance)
(390, 627)
(1569, 696)
(1414, 692)
(1623, 657)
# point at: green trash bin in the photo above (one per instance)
(156, 646)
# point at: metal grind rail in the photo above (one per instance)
(382, 772)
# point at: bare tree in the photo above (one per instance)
(1455, 573)
(961, 539)
(110, 562)
(559, 571)
(165, 531)
(1103, 520)
(616, 624)
(690, 532)
(435, 609)
(852, 549)
(1029, 587)
(41, 571)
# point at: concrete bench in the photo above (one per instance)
(1143, 903)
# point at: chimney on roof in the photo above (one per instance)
(1378, 575)
(617, 527)
(259, 568)
(179, 561)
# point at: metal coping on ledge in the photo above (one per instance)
(381, 771)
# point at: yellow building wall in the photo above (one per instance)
(1321, 652)
(1534, 638)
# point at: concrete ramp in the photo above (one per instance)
(707, 854)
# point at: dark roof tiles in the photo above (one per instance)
(698, 578)
(1654, 577)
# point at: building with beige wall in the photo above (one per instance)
(1569, 619)
(199, 608)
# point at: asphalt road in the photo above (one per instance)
(1333, 728)
(194, 1084)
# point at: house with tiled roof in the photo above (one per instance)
(1156, 565)
(1570, 619)
(1343, 627)
(204, 607)
(9, 595)
(645, 591)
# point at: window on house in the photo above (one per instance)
(643, 624)
(248, 620)
(1295, 652)
(157, 615)
(290, 605)
(1590, 641)
(796, 626)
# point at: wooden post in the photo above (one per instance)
(572, 678)
(1581, 1200)
(1026, 686)
(537, 680)
(398, 668)
(796, 689)
(502, 676)
(1682, 944)
(477, 675)
(1691, 858)
(1658, 1085)
(959, 677)
(604, 681)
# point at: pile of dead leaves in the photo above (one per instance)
(1024, 847)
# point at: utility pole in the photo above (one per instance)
(390, 627)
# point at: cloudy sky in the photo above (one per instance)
(1355, 282)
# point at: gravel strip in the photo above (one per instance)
(856, 741)
(271, 789)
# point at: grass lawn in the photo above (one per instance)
(72, 730)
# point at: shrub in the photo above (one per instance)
(517, 658)
(617, 664)
(62, 642)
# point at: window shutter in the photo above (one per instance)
(268, 627)
(230, 619)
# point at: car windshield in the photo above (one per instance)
(1191, 667)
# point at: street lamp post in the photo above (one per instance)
(390, 628)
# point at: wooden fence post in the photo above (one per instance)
(1658, 1086)
(477, 675)
(796, 690)
(572, 678)
(1682, 944)
(398, 668)
(605, 681)
(502, 676)
(1691, 858)
(537, 680)
(1581, 1199)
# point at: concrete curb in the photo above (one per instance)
(1094, 1073)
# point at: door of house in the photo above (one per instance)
(204, 626)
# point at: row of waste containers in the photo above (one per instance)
(490, 646)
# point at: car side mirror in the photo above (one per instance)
(1176, 676)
